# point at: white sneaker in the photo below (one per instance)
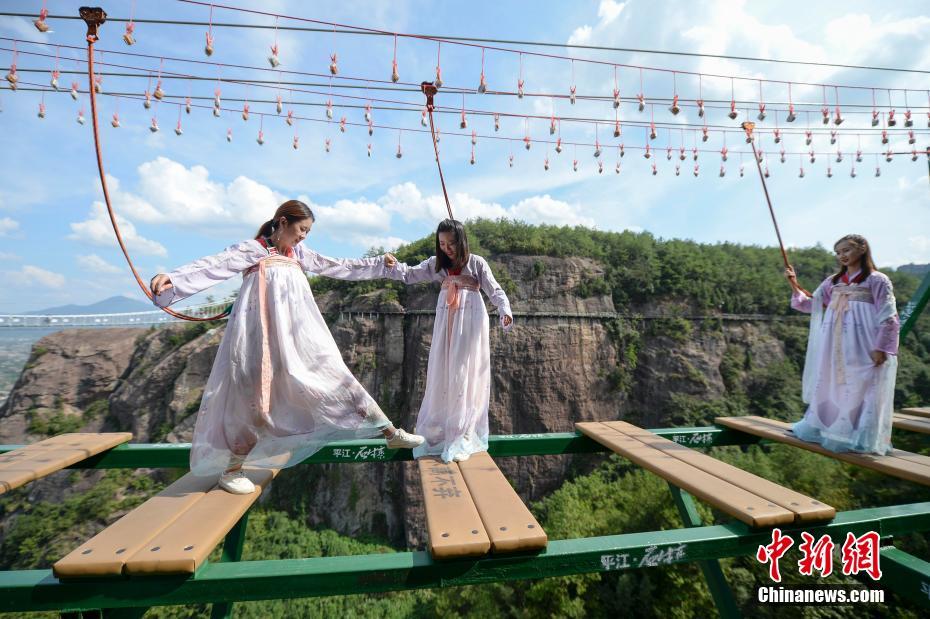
(403, 440)
(236, 482)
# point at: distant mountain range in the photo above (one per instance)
(915, 269)
(113, 305)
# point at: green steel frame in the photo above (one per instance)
(232, 580)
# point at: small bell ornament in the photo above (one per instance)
(574, 165)
(884, 136)
(74, 90)
(128, 36)
(510, 161)
(700, 104)
(833, 137)
(891, 119)
(723, 153)
(617, 168)
(874, 118)
(839, 156)
(395, 76)
(371, 131)
(878, 171)
(825, 111)
(761, 114)
(326, 145)
(368, 113)
(526, 142)
(273, 59)
(813, 156)
(546, 164)
(279, 105)
(261, 137)
(777, 134)
(681, 153)
(423, 120)
(329, 109)
(733, 113)
(782, 155)
(908, 121)
(400, 153)
(801, 173)
(674, 109)
(648, 153)
(208, 48)
(187, 105)
(159, 93)
(54, 81)
(558, 145)
(571, 96)
(791, 117)
(296, 142)
(808, 138)
(40, 23)
(616, 98)
(333, 64)
(177, 129)
(655, 170)
(723, 171)
(910, 137)
(114, 122)
(519, 89)
(80, 116)
(858, 156)
(641, 98)
(369, 150)
(229, 135)
(852, 172)
(497, 122)
(438, 81)
(42, 107)
(482, 84)
(342, 124)
(704, 134)
(153, 127)
(677, 169)
(617, 129)
(147, 102)
(290, 118)
(829, 172)
(552, 126)
(245, 112)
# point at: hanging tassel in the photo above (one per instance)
(40, 23)
(333, 64)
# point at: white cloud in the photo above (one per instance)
(608, 11)
(546, 210)
(95, 263)
(8, 225)
(31, 275)
(580, 36)
(98, 231)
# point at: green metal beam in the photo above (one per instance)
(299, 578)
(713, 573)
(910, 575)
(915, 306)
(232, 551)
(177, 455)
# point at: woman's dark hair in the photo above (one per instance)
(461, 245)
(866, 265)
(292, 210)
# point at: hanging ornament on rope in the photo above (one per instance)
(520, 79)
(153, 127)
(438, 81)
(400, 153)
(463, 124)
(326, 145)
(342, 125)
(571, 91)
(55, 73)
(273, 59)
(229, 134)
(42, 107)
(791, 117)
(114, 122)
(80, 116)
(837, 118)
(423, 120)
(208, 48)
(761, 114)
(733, 113)
(641, 97)
(129, 36)
(700, 99)
(497, 122)
(245, 111)
(279, 104)
(482, 84)
(40, 23)
(616, 90)
(874, 110)
(825, 109)
(674, 109)
(801, 173)
(558, 145)
(177, 130)
(290, 118)
(333, 64)
(394, 75)
(261, 134)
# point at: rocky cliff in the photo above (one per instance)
(552, 370)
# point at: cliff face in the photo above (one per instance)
(548, 373)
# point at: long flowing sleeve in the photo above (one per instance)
(423, 272)
(342, 268)
(801, 302)
(209, 271)
(886, 313)
(495, 293)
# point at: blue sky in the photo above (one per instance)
(183, 197)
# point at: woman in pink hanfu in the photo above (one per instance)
(454, 413)
(851, 364)
(279, 389)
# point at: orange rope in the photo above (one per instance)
(429, 89)
(94, 21)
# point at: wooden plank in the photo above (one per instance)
(911, 423)
(741, 504)
(452, 520)
(921, 411)
(508, 522)
(34, 461)
(106, 553)
(903, 464)
(183, 545)
(804, 507)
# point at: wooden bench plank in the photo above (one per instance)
(741, 504)
(903, 464)
(911, 423)
(183, 545)
(106, 553)
(35, 461)
(920, 411)
(508, 522)
(452, 520)
(804, 507)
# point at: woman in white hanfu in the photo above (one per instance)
(851, 364)
(454, 413)
(279, 389)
